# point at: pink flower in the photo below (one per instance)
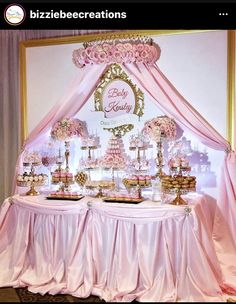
(139, 47)
(102, 56)
(128, 46)
(94, 56)
(146, 47)
(106, 47)
(119, 60)
(98, 48)
(116, 55)
(144, 54)
(131, 56)
(124, 54)
(88, 50)
(120, 47)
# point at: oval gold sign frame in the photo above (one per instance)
(115, 72)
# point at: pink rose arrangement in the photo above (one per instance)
(160, 128)
(67, 128)
(121, 52)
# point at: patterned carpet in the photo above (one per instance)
(22, 295)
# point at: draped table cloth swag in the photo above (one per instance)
(147, 252)
(154, 83)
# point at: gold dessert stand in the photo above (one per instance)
(178, 185)
(32, 190)
(32, 185)
(100, 186)
(138, 184)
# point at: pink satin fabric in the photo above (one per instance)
(172, 103)
(69, 105)
(146, 252)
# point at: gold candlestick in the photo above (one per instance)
(139, 190)
(159, 160)
(67, 154)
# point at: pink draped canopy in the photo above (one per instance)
(169, 100)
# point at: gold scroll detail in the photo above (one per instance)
(120, 130)
(115, 72)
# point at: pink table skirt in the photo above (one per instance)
(146, 252)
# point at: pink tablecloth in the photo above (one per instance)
(147, 252)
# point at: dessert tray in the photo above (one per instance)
(123, 200)
(68, 197)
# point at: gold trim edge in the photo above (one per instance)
(104, 35)
(23, 93)
(231, 88)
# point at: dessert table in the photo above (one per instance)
(119, 252)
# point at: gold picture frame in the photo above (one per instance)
(24, 45)
(115, 72)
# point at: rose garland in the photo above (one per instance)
(67, 128)
(160, 128)
(120, 52)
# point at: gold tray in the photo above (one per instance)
(76, 198)
(123, 200)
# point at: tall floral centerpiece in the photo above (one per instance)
(160, 129)
(65, 130)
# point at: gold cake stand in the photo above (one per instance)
(100, 186)
(32, 179)
(32, 184)
(178, 185)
